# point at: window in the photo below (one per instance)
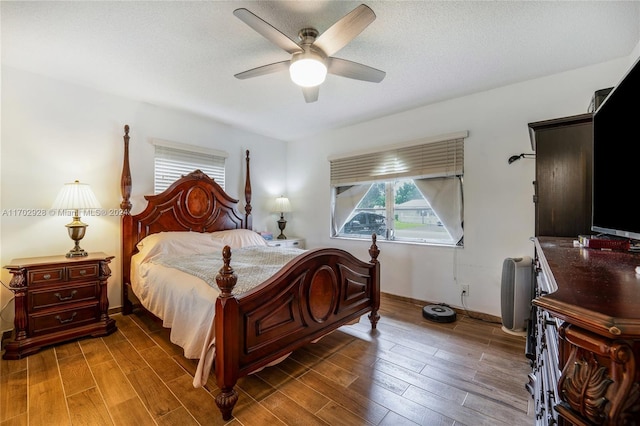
(173, 160)
(410, 192)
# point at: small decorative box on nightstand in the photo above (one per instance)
(58, 299)
(289, 242)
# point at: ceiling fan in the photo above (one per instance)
(311, 57)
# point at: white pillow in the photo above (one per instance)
(180, 242)
(237, 238)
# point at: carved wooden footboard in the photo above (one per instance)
(311, 296)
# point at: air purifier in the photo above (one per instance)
(517, 291)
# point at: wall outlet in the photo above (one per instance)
(465, 289)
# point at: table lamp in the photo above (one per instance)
(282, 206)
(76, 197)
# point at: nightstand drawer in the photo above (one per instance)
(46, 276)
(63, 319)
(82, 272)
(289, 242)
(60, 295)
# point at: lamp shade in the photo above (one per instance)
(76, 196)
(282, 205)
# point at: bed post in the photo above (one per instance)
(247, 196)
(125, 206)
(374, 251)
(226, 326)
(125, 180)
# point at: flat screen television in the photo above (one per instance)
(616, 160)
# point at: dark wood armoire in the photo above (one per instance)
(563, 148)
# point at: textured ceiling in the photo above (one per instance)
(184, 54)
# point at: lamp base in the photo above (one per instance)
(282, 223)
(76, 252)
(76, 230)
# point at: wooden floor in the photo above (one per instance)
(410, 371)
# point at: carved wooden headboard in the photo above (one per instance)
(194, 202)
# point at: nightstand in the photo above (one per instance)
(289, 242)
(58, 299)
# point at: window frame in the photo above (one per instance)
(439, 161)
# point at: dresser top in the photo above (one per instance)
(58, 259)
(597, 289)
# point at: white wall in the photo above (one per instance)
(499, 212)
(54, 132)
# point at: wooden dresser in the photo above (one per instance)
(58, 299)
(587, 329)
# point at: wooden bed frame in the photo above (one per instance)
(312, 295)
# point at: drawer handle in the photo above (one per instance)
(615, 331)
(83, 272)
(68, 320)
(46, 276)
(69, 297)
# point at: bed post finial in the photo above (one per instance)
(247, 194)
(226, 277)
(374, 251)
(125, 180)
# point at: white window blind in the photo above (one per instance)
(171, 163)
(427, 159)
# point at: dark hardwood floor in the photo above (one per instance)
(410, 371)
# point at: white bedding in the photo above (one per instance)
(187, 308)
(179, 308)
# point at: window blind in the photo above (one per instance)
(431, 159)
(172, 163)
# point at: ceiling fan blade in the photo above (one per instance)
(311, 93)
(267, 30)
(345, 30)
(265, 69)
(354, 70)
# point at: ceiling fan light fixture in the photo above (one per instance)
(312, 56)
(307, 69)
